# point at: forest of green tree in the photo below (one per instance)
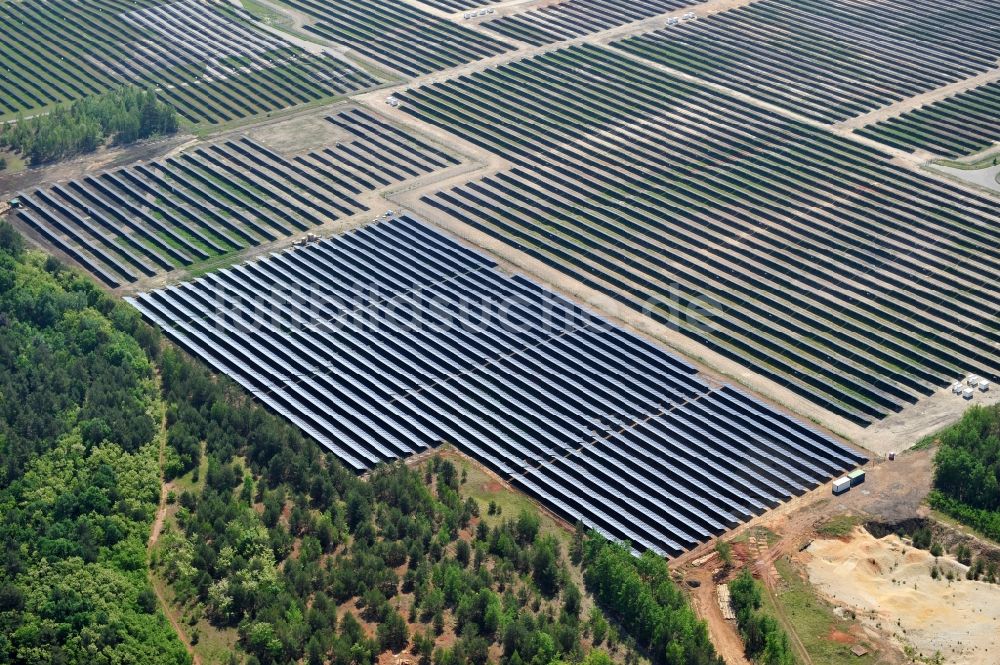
(763, 638)
(277, 538)
(282, 535)
(118, 117)
(79, 472)
(967, 470)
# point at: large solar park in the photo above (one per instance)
(385, 341)
(498, 210)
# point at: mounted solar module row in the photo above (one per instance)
(203, 58)
(960, 125)
(719, 218)
(398, 35)
(447, 359)
(575, 18)
(698, 470)
(506, 340)
(185, 209)
(458, 5)
(832, 59)
(224, 197)
(393, 338)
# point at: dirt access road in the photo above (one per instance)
(723, 633)
(893, 492)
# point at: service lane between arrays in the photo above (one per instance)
(831, 60)
(220, 198)
(857, 284)
(954, 127)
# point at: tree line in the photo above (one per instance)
(119, 117)
(638, 593)
(280, 536)
(967, 470)
(79, 478)
(272, 537)
(763, 639)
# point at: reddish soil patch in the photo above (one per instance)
(841, 637)
(448, 638)
(741, 552)
(492, 486)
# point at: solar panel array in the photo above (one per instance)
(458, 5)
(397, 34)
(393, 338)
(575, 18)
(205, 62)
(804, 256)
(832, 59)
(960, 125)
(144, 219)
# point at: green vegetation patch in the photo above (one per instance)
(764, 640)
(967, 471)
(267, 15)
(79, 474)
(119, 117)
(839, 526)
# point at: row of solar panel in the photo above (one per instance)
(393, 338)
(173, 213)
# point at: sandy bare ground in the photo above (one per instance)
(988, 179)
(928, 416)
(294, 136)
(889, 585)
(893, 492)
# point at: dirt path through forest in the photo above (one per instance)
(154, 537)
(723, 633)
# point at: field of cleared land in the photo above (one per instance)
(888, 583)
